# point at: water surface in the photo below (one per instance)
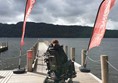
(109, 46)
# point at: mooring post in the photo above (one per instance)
(83, 67)
(29, 60)
(66, 49)
(104, 68)
(72, 54)
(83, 57)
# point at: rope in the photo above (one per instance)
(96, 61)
(112, 66)
(6, 62)
(12, 58)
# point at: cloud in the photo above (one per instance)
(112, 24)
(64, 12)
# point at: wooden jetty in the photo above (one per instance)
(36, 73)
(3, 47)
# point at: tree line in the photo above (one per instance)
(43, 30)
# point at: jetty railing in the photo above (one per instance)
(32, 55)
(104, 65)
(3, 46)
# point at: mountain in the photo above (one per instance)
(43, 30)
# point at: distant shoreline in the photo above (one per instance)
(43, 30)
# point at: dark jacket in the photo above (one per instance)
(60, 54)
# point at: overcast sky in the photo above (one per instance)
(62, 12)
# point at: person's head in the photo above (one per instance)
(55, 42)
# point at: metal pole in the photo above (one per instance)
(19, 70)
(19, 59)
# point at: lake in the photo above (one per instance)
(109, 46)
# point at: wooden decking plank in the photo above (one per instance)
(6, 76)
(28, 77)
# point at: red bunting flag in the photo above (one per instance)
(100, 23)
(29, 6)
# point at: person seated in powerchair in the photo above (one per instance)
(58, 66)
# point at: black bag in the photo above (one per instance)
(56, 57)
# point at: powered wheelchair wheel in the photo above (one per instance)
(49, 80)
